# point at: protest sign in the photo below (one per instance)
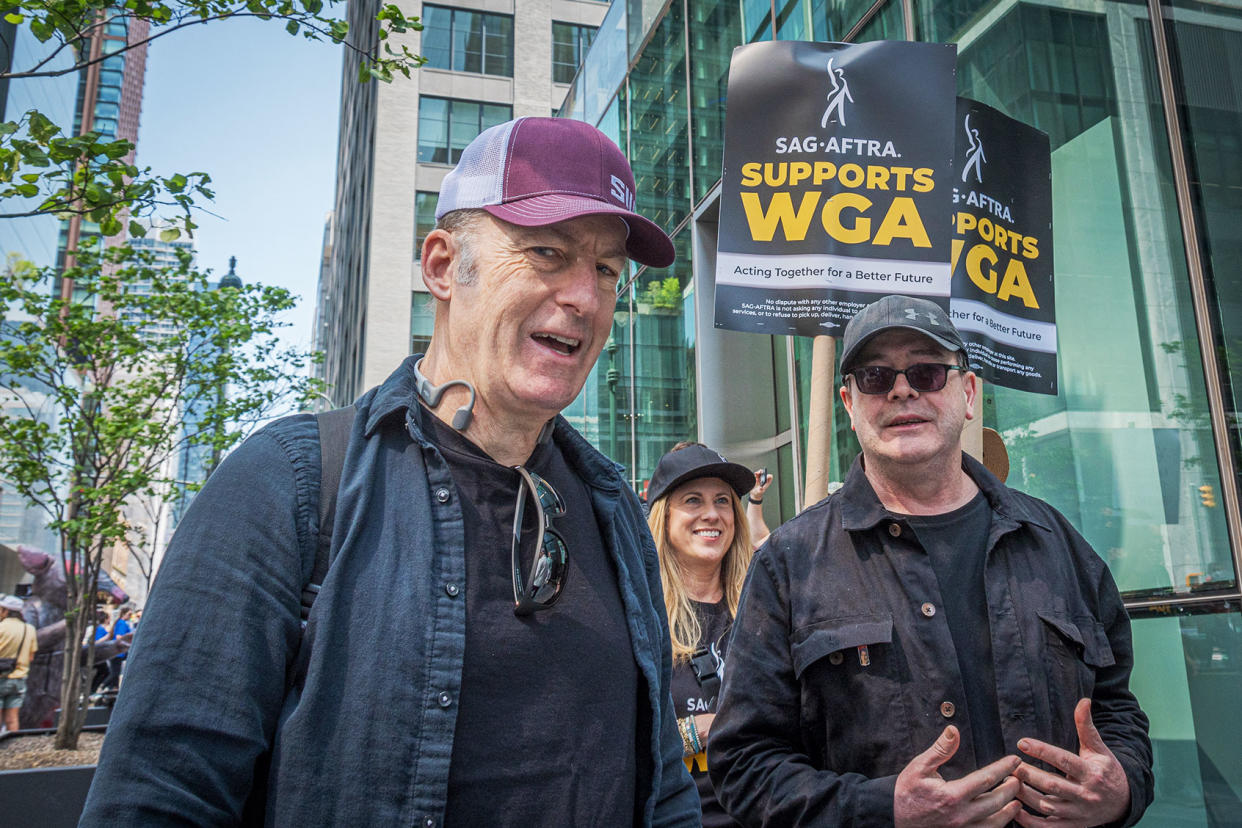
(837, 180)
(1002, 301)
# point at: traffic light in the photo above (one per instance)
(1207, 495)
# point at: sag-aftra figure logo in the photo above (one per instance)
(975, 158)
(837, 97)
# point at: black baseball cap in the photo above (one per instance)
(894, 312)
(692, 462)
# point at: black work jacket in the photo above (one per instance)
(813, 730)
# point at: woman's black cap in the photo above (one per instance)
(691, 463)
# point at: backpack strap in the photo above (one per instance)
(334, 430)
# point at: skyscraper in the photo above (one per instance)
(397, 142)
(109, 101)
(33, 238)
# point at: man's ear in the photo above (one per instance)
(849, 403)
(970, 385)
(439, 253)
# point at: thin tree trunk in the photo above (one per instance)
(80, 579)
(72, 687)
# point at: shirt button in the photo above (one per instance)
(894, 529)
(429, 822)
(452, 590)
(947, 709)
(445, 699)
(928, 609)
(442, 495)
(836, 658)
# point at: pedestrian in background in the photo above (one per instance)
(18, 644)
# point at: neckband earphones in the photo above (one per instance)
(431, 394)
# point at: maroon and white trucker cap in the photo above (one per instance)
(538, 171)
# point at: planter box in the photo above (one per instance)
(47, 797)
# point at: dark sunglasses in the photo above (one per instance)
(551, 565)
(922, 376)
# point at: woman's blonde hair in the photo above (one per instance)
(683, 623)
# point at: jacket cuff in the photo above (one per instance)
(873, 801)
(1140, 793)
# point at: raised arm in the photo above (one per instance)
(759, 530)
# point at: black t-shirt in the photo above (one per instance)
(547, 726)
(689, 699)
(957, 544)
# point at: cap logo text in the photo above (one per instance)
(913, 316)
(622, 193)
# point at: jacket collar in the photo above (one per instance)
(396, 394)
(861, 509)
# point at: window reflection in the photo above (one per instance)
(424, 218)
(570, 42)
(1186, 679)
(715, 28)
(757, 20)
(422, 319)
(664, 372)
(658, 109)
(1124, 448)
(603, 70)
(468, 41)
(1205, 47)
(446, 126)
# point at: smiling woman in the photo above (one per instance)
(703, 540)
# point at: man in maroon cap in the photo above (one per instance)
(488, 645)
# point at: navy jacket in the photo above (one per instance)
(807, 734)
(229, 715)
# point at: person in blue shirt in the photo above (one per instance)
(101, 634)
(116, 664)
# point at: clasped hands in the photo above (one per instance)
(1090, 790)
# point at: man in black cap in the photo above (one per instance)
(927, 647)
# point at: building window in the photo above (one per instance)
(446, 126)
(424, 218)
(422, 321)
(569, 43)
(468, 41)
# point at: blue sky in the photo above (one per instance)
(256, 109)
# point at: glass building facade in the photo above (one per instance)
(1139, 449)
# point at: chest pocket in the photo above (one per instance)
(1082, 636)
(850, 671)
(840, 637)
(1074, 648)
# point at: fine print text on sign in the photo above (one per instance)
(839, 194)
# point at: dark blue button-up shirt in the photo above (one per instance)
(232, 715)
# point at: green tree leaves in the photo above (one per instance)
(100, 393)
(91, 176)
